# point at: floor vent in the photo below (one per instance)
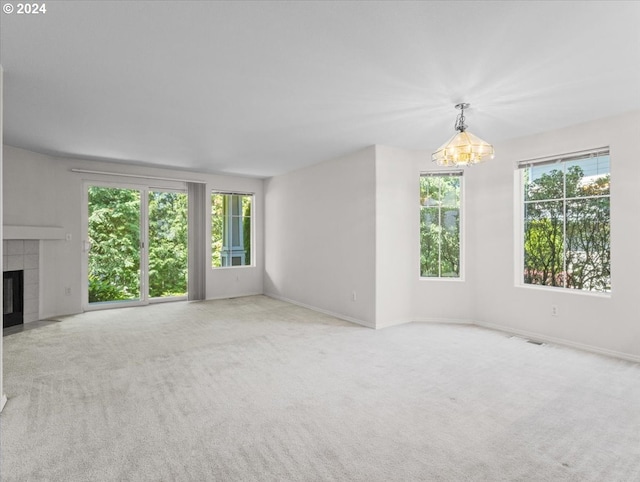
(526, 340)
(533, 342)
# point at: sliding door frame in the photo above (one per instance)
(144, 189)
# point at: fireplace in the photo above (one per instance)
(22, 254)
(13, 298)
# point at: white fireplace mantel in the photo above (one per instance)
(32, 232)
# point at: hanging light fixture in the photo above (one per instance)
(463, 149)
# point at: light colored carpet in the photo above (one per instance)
(254, 389)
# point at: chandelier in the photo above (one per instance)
(463, 149)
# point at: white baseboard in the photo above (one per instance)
(454, 321)
(320, 310)
(560, 341)
(389, 324)
(459, 321)
(240, 295)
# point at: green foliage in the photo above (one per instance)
(114, 233)
(567, 230)
(440, 226)
(588, 245)
(167, 244)
(218, 203)
(543, 243)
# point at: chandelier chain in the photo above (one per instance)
(460, 126)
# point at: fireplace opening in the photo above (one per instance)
(13, 298)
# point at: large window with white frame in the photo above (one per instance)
(566, 241)
(231, 229)
(440, 224)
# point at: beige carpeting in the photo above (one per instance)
(254, 389)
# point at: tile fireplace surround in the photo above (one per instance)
(19, 254)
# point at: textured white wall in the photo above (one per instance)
(396, 235)
(609, 324)
(320, 236)
(40, 190)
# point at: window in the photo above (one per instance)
(231, 229)
(566, 221)
(440, 227)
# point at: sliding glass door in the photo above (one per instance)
(167, 244)
(136, 245)
(115, 245)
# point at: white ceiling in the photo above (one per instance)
(262, 88)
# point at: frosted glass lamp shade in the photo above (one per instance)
(463, 149)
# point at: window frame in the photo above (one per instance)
(251, 262)
(520, 217)
(461, 223)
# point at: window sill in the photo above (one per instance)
(425, 278)
(222, 268)
(557, 289)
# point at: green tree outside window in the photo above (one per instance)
(567, 224)
(440, 225)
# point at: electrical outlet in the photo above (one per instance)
(67, 290)
(554, 310)
(353, 296)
